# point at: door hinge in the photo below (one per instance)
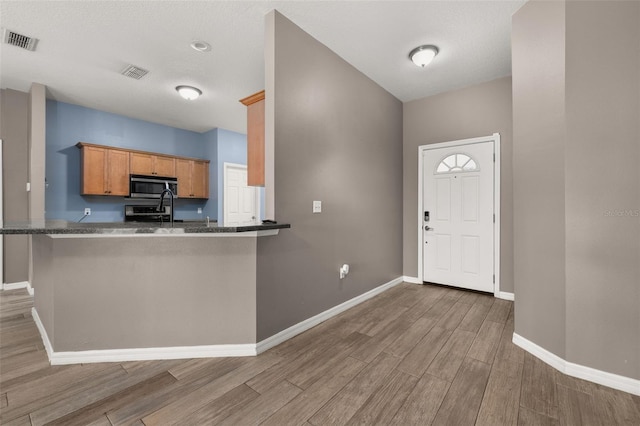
(494, 157)
(494, 278)
(494, 218)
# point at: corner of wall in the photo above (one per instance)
(269, 211)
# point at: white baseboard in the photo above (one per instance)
(209, 351)
(43, 333)
(505, 295)
(139, 354)
(18, 285)
(625, 384)
(412, 280)
(146, 354)
(305, 325)
(185, 352)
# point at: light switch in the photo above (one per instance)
(317, 206)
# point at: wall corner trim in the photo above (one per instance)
(19, 285)
(615, 381)
(140, 354)
(305, 325)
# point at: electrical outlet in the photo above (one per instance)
(199, 210)
(87, 211)
(317, 207)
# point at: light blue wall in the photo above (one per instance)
(232, 148)
(68, 124)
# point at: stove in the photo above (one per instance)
(146, 213)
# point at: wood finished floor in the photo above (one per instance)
(414, 355)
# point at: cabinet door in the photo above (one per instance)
(200, 179)
(255, 138)
(183, 173)
(164, 166)
(118, 173)
(141, 164)
(255, 144)
(94, 178)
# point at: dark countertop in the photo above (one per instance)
(130, 228)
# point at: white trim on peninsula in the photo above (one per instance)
(625, 384)
(305, 325)
(139, 354)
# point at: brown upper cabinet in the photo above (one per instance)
(193, 178)
(103, 170)
(149, 164)
(255, 138)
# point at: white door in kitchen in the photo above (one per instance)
(457, 214)
(241, 203)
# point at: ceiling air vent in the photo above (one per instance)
(134, 72)
(19, 40)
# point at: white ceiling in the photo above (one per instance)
(83, 46)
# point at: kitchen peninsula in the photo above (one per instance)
(135, 291)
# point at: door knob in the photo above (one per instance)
(428, 228)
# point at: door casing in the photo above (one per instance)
(495, 138)
(227, 167)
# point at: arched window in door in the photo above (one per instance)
(456, 163)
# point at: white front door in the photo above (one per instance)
(241, 202)
(458, 214)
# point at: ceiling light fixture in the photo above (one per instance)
(189, 92)
(201, 46)
(423, 55)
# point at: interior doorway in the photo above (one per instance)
(241, 202)
(459, 199)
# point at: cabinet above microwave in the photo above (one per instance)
(106, 170)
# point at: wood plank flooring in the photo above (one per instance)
(413, 355)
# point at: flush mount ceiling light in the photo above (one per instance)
(189, 92)
(422, 55)
(201, 46)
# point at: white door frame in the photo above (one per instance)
(495, 138)
(226, 167)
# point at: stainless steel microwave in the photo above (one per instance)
(142, 186)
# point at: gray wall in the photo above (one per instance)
(144, 292)
(479, 110)
(602, 185)
(37, 149)
(576, 181)
(338, 139)
(15, 135)
(538, 49)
